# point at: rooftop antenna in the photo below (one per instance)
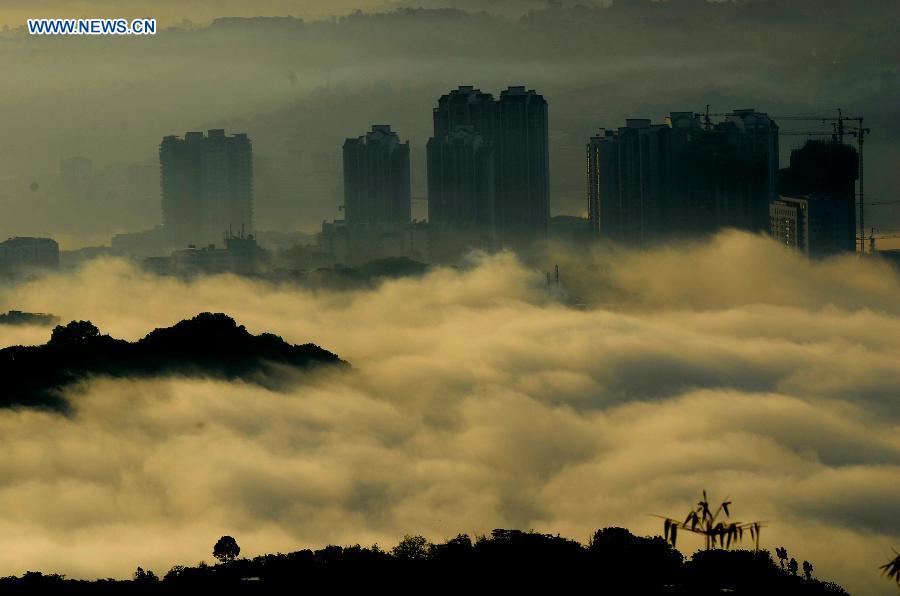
(707, 121)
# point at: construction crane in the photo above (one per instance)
(860, 133)
(840, 130)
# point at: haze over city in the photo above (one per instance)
(565, 265)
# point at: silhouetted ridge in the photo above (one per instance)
(615, 562)
(209, 345)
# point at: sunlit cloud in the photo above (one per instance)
(478, 399)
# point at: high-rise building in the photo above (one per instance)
(461, 182)
(207, 187)
(23, 254)
(471, 128)
(467, 106)
(816, 224)
(628, 179)
(685, 178)
(789, 222)
(825, 174)
(376, 179)
(523, 166)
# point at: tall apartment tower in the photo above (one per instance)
(376, 179)
(627, 180)
(477, 138)
(684, 179)
(523, 166)
(467, 106)
(207, 187)
(461, 183)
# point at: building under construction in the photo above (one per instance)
(817, 210)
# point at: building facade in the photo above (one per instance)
(523, 166)
(207, 187)
(488, 165)
(376, 179)
(461, 182)
(789, 222)
(21, 255)
(685, 178)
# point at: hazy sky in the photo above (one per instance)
(737, 367)
(299, 89)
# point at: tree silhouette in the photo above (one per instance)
(891, 569)
(807, 570)
(145, 576)
(793, 567)
(226, 549)
(412, 548)
(781, 552)
(703, 520)
(76, 332)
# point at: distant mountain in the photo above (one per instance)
(209, 345)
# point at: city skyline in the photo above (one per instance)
(301, 114)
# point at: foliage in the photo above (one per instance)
(703, 520)
(891, 569)
(226, 549)
(782, 554)
(412, 548)
(145, 576)
(807, 570)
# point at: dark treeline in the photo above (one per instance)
(614, 562)
(209, 345)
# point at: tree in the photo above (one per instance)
(703, 520)
(144, 576)
(76, 332)
(792, 566)
(781, 552)
(226, 549)
(807, 570)
(412, 548)
(891, 569)
(174, 573)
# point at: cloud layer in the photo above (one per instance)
(478, 399)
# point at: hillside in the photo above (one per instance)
(208, 345)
